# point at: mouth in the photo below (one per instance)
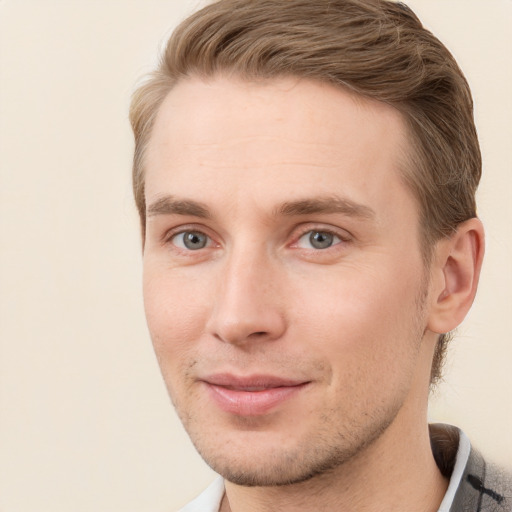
(251, 396)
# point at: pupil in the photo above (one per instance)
(320, 240)
(194, 240)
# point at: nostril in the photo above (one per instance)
(257, 335)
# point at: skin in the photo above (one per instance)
(254, 167)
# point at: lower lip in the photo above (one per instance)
(251, 403)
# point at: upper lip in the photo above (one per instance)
(251, 382)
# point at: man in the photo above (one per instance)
(305, 175)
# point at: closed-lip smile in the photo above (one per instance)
(252, 395)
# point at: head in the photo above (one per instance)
(373, 61)
(377, 49)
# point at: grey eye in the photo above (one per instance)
(318, 240)
(191, 240)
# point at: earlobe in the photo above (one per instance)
(458, 261)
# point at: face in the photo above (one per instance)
(283, 280)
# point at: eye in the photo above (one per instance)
(318, 240)
(190, 240)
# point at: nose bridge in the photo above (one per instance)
(247, 304)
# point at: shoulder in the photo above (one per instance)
(476, 484)
(484, 487)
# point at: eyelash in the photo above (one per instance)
(344, 238)
(169, 236)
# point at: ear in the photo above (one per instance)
(456, 269)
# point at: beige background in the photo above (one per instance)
(85, 423)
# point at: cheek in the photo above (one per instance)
(175, 314)
(362, 319)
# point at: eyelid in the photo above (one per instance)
(169, 234)
(298, 233)
(182, 245)
(305, 240)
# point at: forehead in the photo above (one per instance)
(271, 139)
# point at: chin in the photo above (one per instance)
(256, 459)
(274, 473)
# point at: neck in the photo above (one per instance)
(396, 473)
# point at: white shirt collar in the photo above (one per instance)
(458, 470)
(209, 500)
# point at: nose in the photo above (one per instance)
(247, 308)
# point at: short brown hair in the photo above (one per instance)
(376, 48)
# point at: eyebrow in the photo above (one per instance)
(169, 205)
(331, 204)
